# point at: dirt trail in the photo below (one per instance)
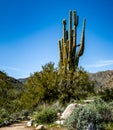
(17, 126)
(23, 126)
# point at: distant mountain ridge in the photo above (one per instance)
(103, 79)
(22, 80)
(5, 78)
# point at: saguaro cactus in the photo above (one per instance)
(69, 54)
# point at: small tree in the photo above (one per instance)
(41, 87)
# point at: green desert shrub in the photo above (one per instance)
(4, 118)
(96, 114)
(102, 108)
(46, 116)
(3, 113)
(1, 122)
(111, 105)
(106, 94)
(108, 126)
(81, 117)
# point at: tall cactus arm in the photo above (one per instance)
(74, 35)
(64, 30)
(66, 35)
(81, 49)
(70, 35)
(60, 50)
(76, 18)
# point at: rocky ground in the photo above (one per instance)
(17, 126)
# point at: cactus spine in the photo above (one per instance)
(69, 56)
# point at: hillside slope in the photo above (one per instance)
(14, 82)
(103, 79)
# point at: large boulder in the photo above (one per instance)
(67, 112)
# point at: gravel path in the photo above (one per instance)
(17, 126)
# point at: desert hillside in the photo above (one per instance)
(10, 80)
(103, 79)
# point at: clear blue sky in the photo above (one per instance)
(30, 29)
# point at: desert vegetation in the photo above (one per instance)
(47, 91)
(50, 90)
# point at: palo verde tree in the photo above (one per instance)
(41, 87)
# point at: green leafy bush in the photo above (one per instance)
(96, 113)
(46, 116)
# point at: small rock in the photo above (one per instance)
(82, 105)
(40, 127)
(88, 101)
(57, 122)
(6, 123)
(58, 114)
(29, 123)
(35, 125)
(61, 122)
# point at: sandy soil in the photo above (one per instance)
(17, 126)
